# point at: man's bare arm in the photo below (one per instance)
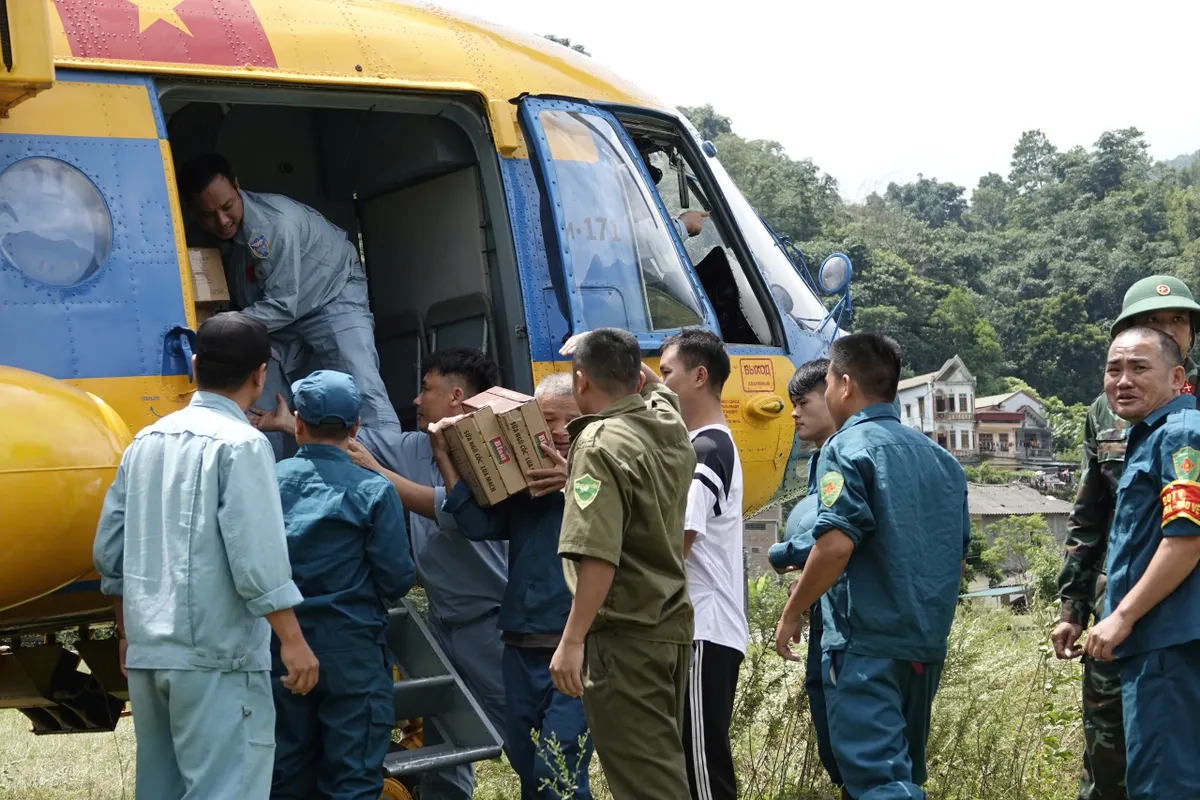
(566, 667)
(825, 565)
(595, 579)
(414, 496)
(1173, 561)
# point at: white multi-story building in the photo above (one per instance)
(941, 405)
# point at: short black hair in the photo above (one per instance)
(334, 431)
(612, 358)
(872, 360)
(197, 174)
(477, 372)
(1166, 343)
(701, 347)
(222, 376)
(808, 377)
(230, 347)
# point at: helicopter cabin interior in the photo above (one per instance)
(415, 180)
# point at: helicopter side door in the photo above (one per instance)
(621, 263)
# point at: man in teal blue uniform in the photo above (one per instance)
(892, 534)
(464, 580)
(813, 424)
(1151, 624)
(348, 546)
(535, 607)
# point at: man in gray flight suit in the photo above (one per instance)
(297, 273)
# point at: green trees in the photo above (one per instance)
(565, 42)
(1021, 275)
(1023, 551)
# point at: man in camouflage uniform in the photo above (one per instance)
(1167, 304)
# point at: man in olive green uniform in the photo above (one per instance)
(1164, 303)
(628, 639)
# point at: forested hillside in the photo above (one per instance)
(1020, 275)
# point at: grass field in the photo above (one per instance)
(89, 766)
(1006, 726)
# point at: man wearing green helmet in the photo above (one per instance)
(1164, 303)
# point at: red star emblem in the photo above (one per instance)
(1162, 288)
(225, 33)
(1187, 465)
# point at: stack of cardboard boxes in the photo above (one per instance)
(209, 288)
(497, 443)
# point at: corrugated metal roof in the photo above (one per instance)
(1013, 499)
(992, 399)
(996, 591)
(917, 380)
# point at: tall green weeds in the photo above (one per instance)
(1006, 720)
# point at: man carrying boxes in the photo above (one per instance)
(533, 438)
(463, 580)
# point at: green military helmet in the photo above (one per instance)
(1156, 293)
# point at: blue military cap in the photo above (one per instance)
(327, 396)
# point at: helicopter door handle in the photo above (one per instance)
(180, 344)
(760, 410)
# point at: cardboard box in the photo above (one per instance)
(493, 436)
(464, 463)
(482, 458)
(208, 275)
(521, 422)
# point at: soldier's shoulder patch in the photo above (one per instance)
(1187, 464)
(831, 487)
(585, 488)
(260, 246)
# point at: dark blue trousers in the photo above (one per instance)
(879, 710)
(330, 743)
(536, 708)
(1160, 693)
(814, 687)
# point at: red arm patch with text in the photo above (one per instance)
(1181, 500)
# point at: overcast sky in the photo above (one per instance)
(879, 91)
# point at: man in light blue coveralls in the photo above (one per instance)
(349, 552)
(191, 547)
(813, 424)
(296, 272)
(892, 533)
(535, 607)
(1151, 622)
(464, 581)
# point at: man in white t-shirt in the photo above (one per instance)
(695, 366)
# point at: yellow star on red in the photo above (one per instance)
(151, 11)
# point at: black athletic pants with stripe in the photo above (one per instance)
(708, 711)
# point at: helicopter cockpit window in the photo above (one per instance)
(740, 314)
(626, 270)
(54, 224)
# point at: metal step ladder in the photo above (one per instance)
(431, 690)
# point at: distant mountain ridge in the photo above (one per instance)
(1183, 161)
